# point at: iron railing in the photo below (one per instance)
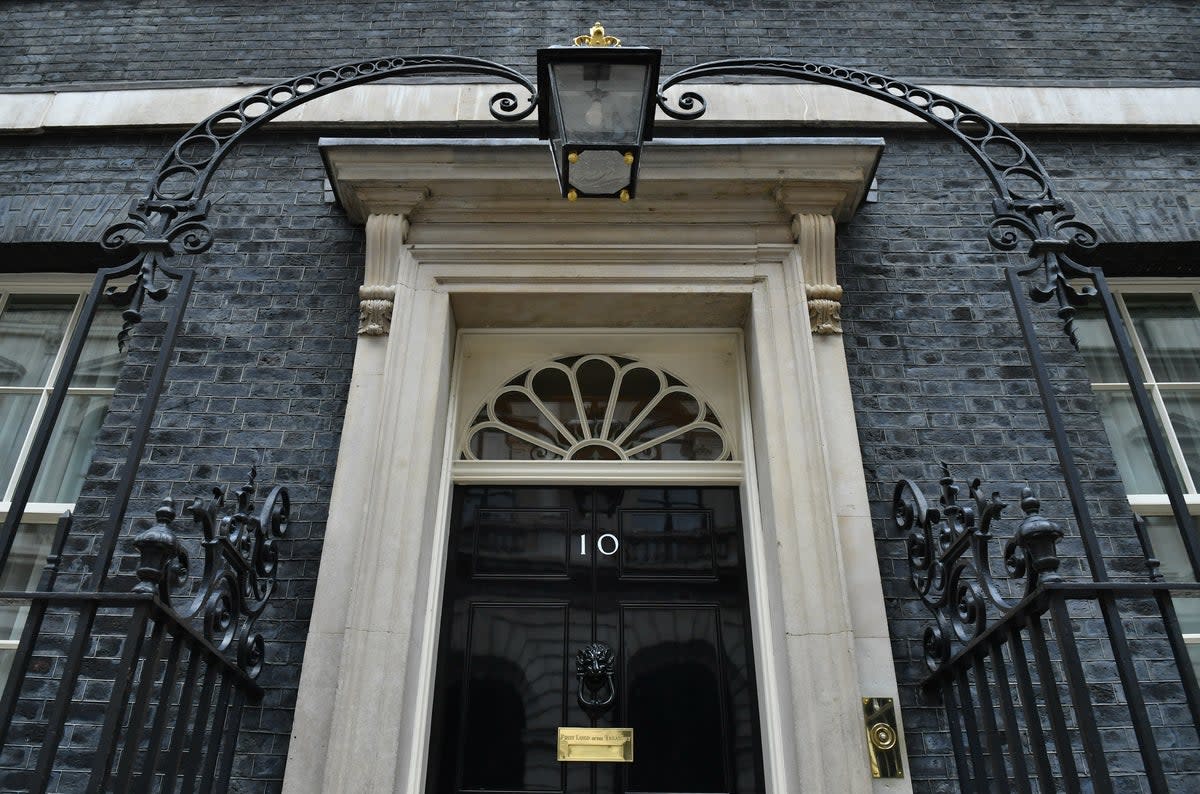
(126, 692)
(1047, 696)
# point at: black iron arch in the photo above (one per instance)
(1025, 205)
(172, 218)
(1011, 165)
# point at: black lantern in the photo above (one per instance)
(596, 106)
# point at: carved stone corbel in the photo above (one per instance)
(815, 238)
(375, 309)
(377, 295)
(824, 308)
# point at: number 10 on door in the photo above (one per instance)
(607, 544)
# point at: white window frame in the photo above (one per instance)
(43, 513)
(1157, 504)
(1120, 287)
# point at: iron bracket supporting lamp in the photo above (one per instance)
(596, 107)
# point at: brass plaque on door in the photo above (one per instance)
(595, 744)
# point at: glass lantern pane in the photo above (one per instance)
(32, 329)
(1169, 329)
(600, 103)
(600, 171)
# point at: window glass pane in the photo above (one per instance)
(698, 444)
(31, 332)
(1096, 346)
(24, 568)
(22, 571)
(638, 387)
(553, 388)
(16, 415)
(1169, 329)
(515, 409)
(595, 379)
(100, 361)
(1170, 552)
(1129, 444)
(1183, 406)
(1187, 608)
(668, 415)
(70, 449)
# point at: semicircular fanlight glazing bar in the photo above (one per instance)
(623, 409)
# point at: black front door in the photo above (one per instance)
(654, 575)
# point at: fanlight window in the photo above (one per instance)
(595, 407)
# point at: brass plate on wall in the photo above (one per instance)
(883, 738)
(596, 744)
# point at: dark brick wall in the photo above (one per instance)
(53, 41)
(939, 374)
(260, 374)
(262, 369)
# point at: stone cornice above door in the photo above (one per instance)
(702, 192)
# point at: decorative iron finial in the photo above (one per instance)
(949, 555)
(597, 38)
(240, 561)
(163, 563)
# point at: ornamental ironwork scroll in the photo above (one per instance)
(172, 218)
(240, 562)
(950, 562)
(1026, 205)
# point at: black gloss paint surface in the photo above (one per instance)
(536, 573)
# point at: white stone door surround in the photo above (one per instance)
(725, 237)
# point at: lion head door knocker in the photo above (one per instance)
(597, 681)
